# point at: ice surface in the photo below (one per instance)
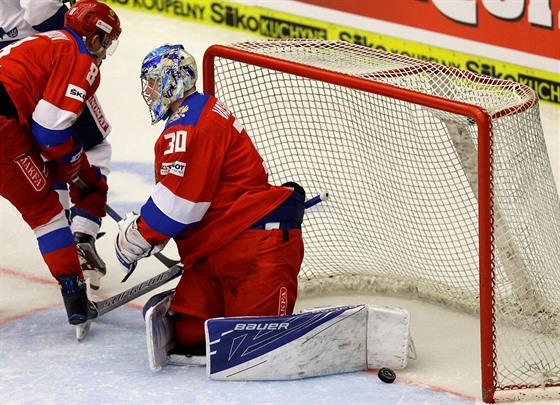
(41, 361)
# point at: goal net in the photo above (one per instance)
(440, 184)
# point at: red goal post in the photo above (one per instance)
(430, 167)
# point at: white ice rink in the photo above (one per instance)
(41, 362)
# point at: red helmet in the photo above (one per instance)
(87, 17)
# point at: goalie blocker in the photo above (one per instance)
(318, 342)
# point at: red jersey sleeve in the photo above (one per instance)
(49, 77)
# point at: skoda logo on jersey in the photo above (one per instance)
(176, 168)
(75, 92)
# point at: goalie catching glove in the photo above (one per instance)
(130, 245)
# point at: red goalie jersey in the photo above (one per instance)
(212, 183)
(49, 79)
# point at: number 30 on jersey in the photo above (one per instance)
(177, 142)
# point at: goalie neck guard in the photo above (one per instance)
(168, 72)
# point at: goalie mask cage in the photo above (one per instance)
(441, 188)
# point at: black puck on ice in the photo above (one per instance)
(386, 375)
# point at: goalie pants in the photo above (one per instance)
(26, 182)
(255, 275)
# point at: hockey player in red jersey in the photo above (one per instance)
(239, 238)
(45, 81)
(20, 19)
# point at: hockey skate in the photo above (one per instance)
(92, 265)
(74, 294)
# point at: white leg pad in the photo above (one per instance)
(318, 342)
(389, 343)
(159, 333)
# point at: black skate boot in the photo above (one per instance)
(78, 307)
(92, 265)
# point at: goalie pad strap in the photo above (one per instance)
(185, 360)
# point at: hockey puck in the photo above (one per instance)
(386, 375)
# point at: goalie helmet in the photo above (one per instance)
(87, 17)
(168, 72)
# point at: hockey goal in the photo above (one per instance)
(440, 184)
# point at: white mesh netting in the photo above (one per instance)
(403, 179)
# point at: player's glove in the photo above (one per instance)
(130, 245)
(67, 167)
(92, 198)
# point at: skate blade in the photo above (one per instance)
(82, 330)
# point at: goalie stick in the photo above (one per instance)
(111, 303)
(107, 305)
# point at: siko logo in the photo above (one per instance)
(264, 25)
(75, 92)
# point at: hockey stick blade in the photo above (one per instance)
(138, 290)
(107, 305)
